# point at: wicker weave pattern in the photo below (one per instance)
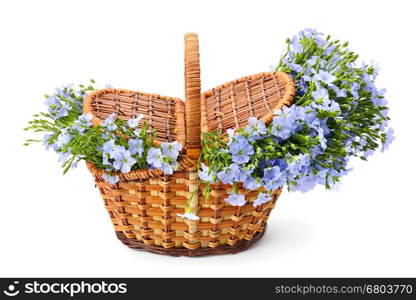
(232, 104)
(146, 210)
(164, 114)
(144, 205)
(240, 246)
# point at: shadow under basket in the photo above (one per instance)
(144, 204)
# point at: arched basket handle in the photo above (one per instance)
(192, 96)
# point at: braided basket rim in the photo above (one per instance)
(185, 163)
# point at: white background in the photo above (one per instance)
(54, 225)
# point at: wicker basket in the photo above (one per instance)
(144, 204)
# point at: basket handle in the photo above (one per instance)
(192, 96)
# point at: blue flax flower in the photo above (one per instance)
(229, 174)
(168, 168)
(133, 123)
(389, 138)
(325, 77)
(273, 178)
(109, 146)
(110, 179)
(262, 198)
(255, 128)
(235, 199)
(244, 174)
(189, 215)
(320, 94)
(294, 67)
(251, 183)
(123, 160)
(304, 183)
(155, 158)
(354, 89)
(63, 156)
(63, 138)
(295, 44)
(312, 60)
(241, 150)
(322, 100)
(298, 165)
(83, 121)
(339, 92)
(317, 36)
(109, 123)
(283, 122)
(136, 147)
(171, 150)
(230, 133)
(206, 174)
(46, 141)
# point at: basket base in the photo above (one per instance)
(238, 247)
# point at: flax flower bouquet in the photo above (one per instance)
(116, 145)
(338, 113)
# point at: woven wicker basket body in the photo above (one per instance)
(144, 204)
